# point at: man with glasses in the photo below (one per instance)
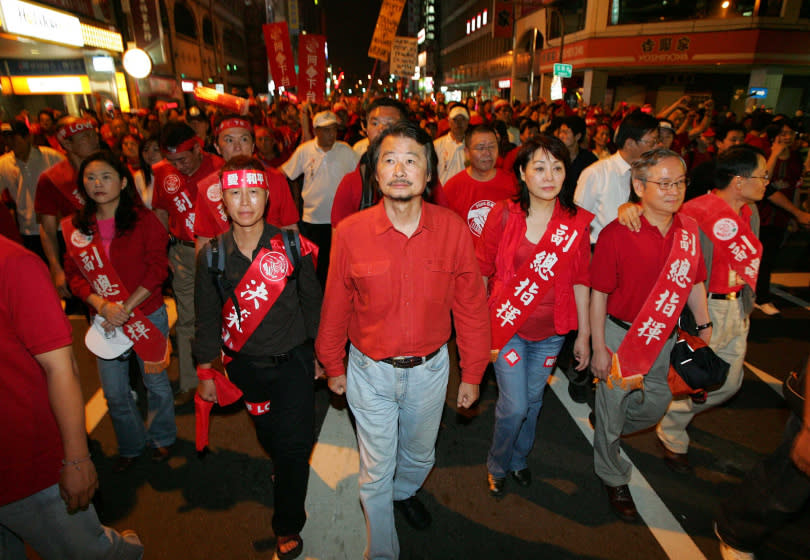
(474, 191)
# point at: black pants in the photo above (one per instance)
(320, 235)
(766, 500)
(285, 430)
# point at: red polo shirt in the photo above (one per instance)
(392, 295)
(626, 265)
(50, 198)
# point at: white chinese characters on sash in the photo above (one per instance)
(658, 316)
(517, 299)
(88, 254)
(181, 208)
(210, 209)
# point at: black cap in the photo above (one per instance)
(13, 128)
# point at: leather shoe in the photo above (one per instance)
(523, 477)
(414, 512)
(184, 397)
(123, 464)
(621, 502)
(677, 462)
(160, 454)
(495, 486)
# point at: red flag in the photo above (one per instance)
(279, 53)
(503, 21)
(312, 67)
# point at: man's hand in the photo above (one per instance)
(207, 390)
(337, 384)
(582, 351)
(803, 218)
(801, 450)
(467, 395)
(601, 362)
(59, 282)
(77, 484)
(630, 215)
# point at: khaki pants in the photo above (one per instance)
(183, 263)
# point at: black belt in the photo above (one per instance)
(267, 361)
(626, 326)
(174, 241)
(408, 362)
(729, 296)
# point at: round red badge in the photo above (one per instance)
(273, 266)
(172, 183)
(725, 229)
(80, 240)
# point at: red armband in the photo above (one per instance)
(204, 374)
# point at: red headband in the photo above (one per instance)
(234, 123)
(184, 146)
(246, 178)
(72, 129)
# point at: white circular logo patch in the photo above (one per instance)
(214, 193)
(172, 184)
(273, 266)
(725, 229)
(80, 240)
(477, 216)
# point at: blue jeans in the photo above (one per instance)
(42, 521)
(130, 431)
(398, 412)
(520, 397)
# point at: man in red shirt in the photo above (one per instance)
(58, 194)
(174, 200)
(48, 472)
(472, 193)
(398, 269)
(634, 311)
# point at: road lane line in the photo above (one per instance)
(659, 519)
(94, 410)
(790, 297)
(766, 378)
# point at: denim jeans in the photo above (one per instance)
(42, 521)
(398, 412)
(520, 397)
(130, 431)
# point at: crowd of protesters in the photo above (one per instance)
(235, 217)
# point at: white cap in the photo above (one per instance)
(324, 118)
(106, 346)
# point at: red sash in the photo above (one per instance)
(88, 254)
(210, 209)
(181, 210)
(729, 233)
(257, 292)
(517, 298)
(658, 316)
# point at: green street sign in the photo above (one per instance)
(563, 70)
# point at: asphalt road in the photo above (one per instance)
(220, 506)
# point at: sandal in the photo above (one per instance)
(291, 553)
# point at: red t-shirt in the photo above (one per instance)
(8, 226)
(31, 322)
(139, 257)
(50, 198)
(626, 265)
(177, 193)
(392, 295)
(508, 163)
(473, 200)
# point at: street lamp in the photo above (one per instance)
(137, 63)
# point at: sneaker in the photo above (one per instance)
(768, 308)
(728, 552)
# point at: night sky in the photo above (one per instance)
(349, 27)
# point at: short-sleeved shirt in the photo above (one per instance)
(31, 322)
(50, 200)
(626, 265)
(20, 178)
(472, 199)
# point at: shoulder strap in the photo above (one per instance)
(215, 259)
(292, 244)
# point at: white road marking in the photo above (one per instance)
(790, 297)
(94, 410)
(766, 378)
(662, 523)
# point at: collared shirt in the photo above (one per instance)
(473, 199)
(626, 265)
(21, 177)
(451, 156)
(322, 172)
(392, 295)
(601, 189)
(290, 322)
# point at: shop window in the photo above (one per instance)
(184, 23)
(208, 32)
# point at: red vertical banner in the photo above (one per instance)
(279, 53)
(311, 68)
(503, 20)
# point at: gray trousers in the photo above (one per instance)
(621, 411)
(183, 264)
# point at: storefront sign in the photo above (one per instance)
(20, 67)
(146, 22)
(31, 20)
(279, 53)
(22, 85)
(386, 29)
(311, 68)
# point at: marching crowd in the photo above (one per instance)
(351, 241)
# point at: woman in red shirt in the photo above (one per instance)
(134, 243)
(534, 255)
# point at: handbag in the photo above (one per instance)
(794, 387)
(694, 368)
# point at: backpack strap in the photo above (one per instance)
(292, 245)
(215, 258)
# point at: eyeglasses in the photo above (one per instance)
(650, 142)
(666, 186)
(484, 148)
(764, 177)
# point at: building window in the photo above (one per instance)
(570, 13)
(208, 32)
(184, 22)
(624, 12)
